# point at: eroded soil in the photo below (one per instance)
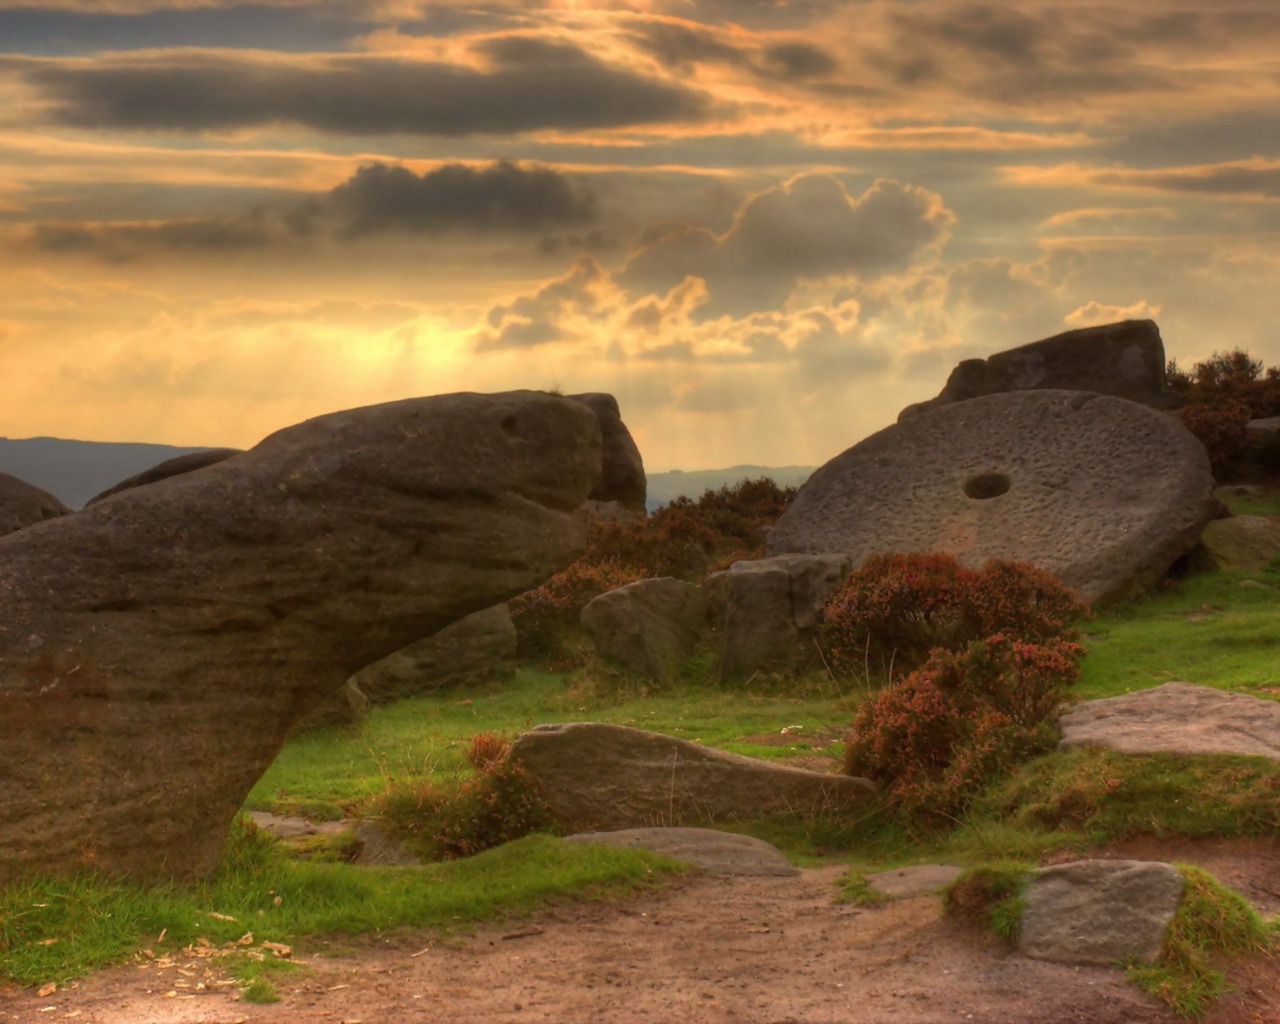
(711, 950)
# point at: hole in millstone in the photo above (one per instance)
(986, 485)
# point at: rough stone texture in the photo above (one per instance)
(650, 627)
(766, 611)
(622, 470)
(1241, 542)
(598, 778)
(720, 853)
(22, 505)
(918, 880)
(1264, 435)
(1099, 911)
(478, 648)
(188, 463)
(1102, 492)
(1177, 718)
(157, 648)
(345, 706)
(1124, 359)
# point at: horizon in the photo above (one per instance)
(765, 227)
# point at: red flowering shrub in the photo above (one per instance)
(933, 739)
(545, 614)
(1223, 393)
(895, 610)
(1221, 429)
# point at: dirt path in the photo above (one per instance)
(712, 951)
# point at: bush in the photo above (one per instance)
(895, 610)
(935, 738)
(497, 805)
(1221, 429)
(1223, 393)
(545, 615)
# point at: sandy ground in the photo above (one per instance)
(712, 950)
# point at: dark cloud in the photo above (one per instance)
(1257, 177)
(796, 62)
(530, 85)
(808, 229)
(683, 45)
(377, 200)
(534, 319)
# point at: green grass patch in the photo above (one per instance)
(1100, 796)
(1209, 629)
(1211, 922)
(855, 888)
(990, 896)
(56, 930)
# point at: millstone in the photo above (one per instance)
(1103, 492)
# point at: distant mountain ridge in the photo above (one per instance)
(75, 471)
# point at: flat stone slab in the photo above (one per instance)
(1099, 911)
(720, 853)
(1177, 718)
(1104, 493)
(289, 827)
(917, 880)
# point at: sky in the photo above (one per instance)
(765, 226)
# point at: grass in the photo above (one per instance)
(1211, 922)
(854, 888)
(990, 896)
(59, 929)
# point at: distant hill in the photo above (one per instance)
(662, 487)
(74, 471)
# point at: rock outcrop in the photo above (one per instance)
(22, 505)
(188, 463)
(478, 648)
(1103, 492)
(599, 778)
(1248, 543)
(1124, 359)
(718, 853)
(649, 627)
(622, 469)
(1177, 718)
(766, 611)
(1099, 912)
(157, 648)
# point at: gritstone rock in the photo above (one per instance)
(476, 649)
(1099, 911)
(648, 627)
(1124, 359)
(157, 648)
(1104, 493)
(604, 777)
(1249, 543)
(719, 853)
(1177, 718)
(22, 505)
(622, 469)
(188, 463)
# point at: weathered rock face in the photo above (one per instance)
(766, 611)
(718, 853)
(188, 463)
(1099, 911)
(157, 648)
(1177, 718)
(604, 777)
(1241, 542)
(23, 505)
(649, 627)
(1124, 359)
(622, 469)
(1104, 493)
(478, 648)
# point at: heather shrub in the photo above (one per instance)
(894, 611)
(1221, 429)
(498, 804)
(933, 739)
(1222, 394)
(543, 616)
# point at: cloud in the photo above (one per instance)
(1258, 177)
(526, 85)
(807, 228)
(684, 45)
(379, 199)
(1094, 313)
(542, 317)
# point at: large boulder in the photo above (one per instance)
(176, 466)
(157, 648)
(1177, 718)
(597, 778)
(1099, 912)
(766, 612)
(1103, 492)
(1124, 359)
(478, 648)
(1248, 543)
(622, 476)
(649, 627)
(23, 505)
